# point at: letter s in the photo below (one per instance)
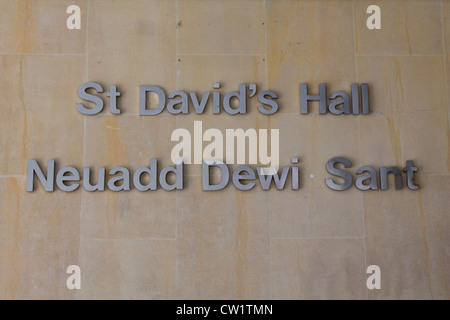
(271, 103)
(339, 173)
(89, 97)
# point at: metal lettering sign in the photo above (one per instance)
(244, 177)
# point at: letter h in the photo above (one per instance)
(305, 97)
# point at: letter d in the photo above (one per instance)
(143, 111)
(205, 175)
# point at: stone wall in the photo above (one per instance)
(312, 243)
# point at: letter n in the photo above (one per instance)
(33, 167)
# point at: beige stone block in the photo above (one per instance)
(251, 243)
(296, 54)
(290, 214)
(288, 207)
(426, 139)
(435, 203)
(40, 111)
(128, 269)
(296, 133)
(407, 27)
(40, 27)
(10, 236)
(199, 73)
(315, 210)
(410, 120)
(132, 43)
(39, 240)
(13, 123)
(204, 224)
(222, 244)
(400, 85)
(405, 236)
(333, 136)
(418, 136)
(318, 269)
(392, 140)
(223, 274)
(221, 27)
(380, 141)
(334, 213)
(312, 243)
(132, 141)
(206, 274)
(129, 215)
(129, 141)
(295, 142)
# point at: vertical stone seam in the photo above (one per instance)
(359, 145)
(86, 74)
(444, 52)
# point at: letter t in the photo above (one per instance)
(410, 169)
